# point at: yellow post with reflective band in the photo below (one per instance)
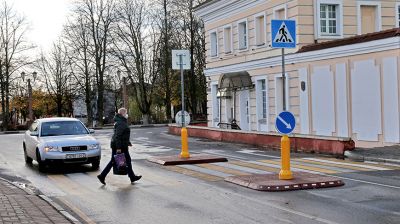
(185, 148)
(285, 173)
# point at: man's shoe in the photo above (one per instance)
(136, 178)
(101, 179)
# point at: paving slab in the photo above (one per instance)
(193, 159)
(271, 182)
(21, 206)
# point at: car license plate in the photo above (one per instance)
(76, 156)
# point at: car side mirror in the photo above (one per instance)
(35, 133)
(91, 131)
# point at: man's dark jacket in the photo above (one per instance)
(120, 138)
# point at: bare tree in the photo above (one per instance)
(56, 73)
(13, 28)
(101, 16)
(78, 40)
(191, 37)
(136, 45)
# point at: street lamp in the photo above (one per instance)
(124, 93)
(34, 75)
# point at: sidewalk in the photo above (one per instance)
(19, 206)
(387, 154)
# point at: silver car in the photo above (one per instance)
(65, 140)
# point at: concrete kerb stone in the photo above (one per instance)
(47, 199)
(360, 158)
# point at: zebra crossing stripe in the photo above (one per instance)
(223, 169)
(192, 173)
(255, 166)
(334, 165)
(304, 167)
(355, 164)
(68, 185)
(241, 168)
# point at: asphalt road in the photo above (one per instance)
(198, 193)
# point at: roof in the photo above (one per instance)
(203, 4)
(352, 40)
(52, 119)
(235, 80)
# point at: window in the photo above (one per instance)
(369, 17)
(398, 15)
(329, 20)
(260, 30)
(228, 39)
(242, 31)
(280, 12)
(264, 99)
(213, 44)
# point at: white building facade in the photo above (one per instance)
(342, 78)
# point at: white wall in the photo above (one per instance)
(366, 100)
(322, 95)
(391, 127)
(341, 101)
(304, 110)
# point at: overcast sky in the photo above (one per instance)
(46, 18)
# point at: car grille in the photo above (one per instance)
(74, 148)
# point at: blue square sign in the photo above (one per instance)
(283, 33)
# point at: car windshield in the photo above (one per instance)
(63, 128)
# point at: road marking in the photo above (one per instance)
(192, 173)
(321, 170)
(67, 185)
(241, 168)
(77, 211)
(366, 182)
(255, 166)
(348, 163)
(327, 163)
(223, 169)
(206, 171)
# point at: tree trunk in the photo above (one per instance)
(193, 87)
(166, 66)
(146, 118)
(3, 101)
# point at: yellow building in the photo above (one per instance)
(342, 78)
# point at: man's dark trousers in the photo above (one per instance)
(107, 169)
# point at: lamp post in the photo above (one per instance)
(34, 75)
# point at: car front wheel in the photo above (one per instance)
(41, 164)
(96, 165)
(28, 159)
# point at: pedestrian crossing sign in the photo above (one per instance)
(283, 33)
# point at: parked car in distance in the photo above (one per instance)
(60, 140)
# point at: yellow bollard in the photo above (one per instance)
(285, 173)
(185, 148)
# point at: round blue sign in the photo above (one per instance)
(285, 122)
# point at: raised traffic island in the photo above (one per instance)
(271, 182)
(193, 159)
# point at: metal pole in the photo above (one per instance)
(30, 101)
(283, 79)
(182, 89)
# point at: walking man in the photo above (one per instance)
(120, 142)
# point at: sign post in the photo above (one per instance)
(283, 35)
(181, 60)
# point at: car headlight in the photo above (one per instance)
(52, 149)
(93, 147)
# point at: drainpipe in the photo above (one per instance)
(234, 104)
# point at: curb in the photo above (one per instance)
(53, 204)
(59, 209)
(360, 158)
